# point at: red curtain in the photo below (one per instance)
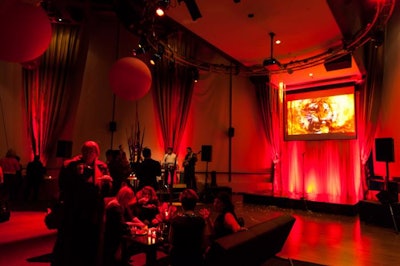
(270, 103)
(173, 85)
(370, 99)
(325, 171)
(52, 89)
(172, 93)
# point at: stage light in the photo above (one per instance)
(139, 50)
(157, 56)
(141, 47)
(195, 73)
(162, 5)
(159, 12)
(193, 8)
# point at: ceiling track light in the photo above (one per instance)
(157, 56)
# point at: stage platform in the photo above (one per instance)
(370, 211)
(302, 204)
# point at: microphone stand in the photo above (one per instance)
(171, 188)
(303, 197)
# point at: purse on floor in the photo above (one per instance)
(54, 216)
(4, 211)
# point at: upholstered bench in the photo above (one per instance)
(254, 246)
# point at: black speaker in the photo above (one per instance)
(339, 63)
(243, 248)
(64, 149)
(384, 150)
(112, 126)
(231, 132)
(206, 153)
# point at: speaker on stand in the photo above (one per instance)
(384, 152)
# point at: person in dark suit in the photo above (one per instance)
(35, 172)
(148, 170)
(189, 168)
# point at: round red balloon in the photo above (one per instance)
(130, 78)
(25, 32)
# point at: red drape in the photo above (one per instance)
(370, 99)
(172, 93)
(270, 103)
(52, 89)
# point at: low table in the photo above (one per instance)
(148, 243)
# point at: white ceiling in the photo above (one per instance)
(305, 27)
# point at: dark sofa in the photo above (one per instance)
(251, 247)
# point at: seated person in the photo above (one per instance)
(146, 206)
(226, 221)
(118, 214)
(187, 234)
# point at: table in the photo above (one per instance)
(149, 244)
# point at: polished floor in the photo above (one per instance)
(330, 239)
(326, 239)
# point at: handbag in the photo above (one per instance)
(4, 211)
(54, 216)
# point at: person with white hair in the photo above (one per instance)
(83, 182)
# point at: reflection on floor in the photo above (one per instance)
(329, 239)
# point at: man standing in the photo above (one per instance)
(169, 164)
(148, 170)
(189, 169)
(35, 172)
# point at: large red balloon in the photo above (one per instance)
(130, 78)
(25, 32)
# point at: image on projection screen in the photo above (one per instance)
(321, 114)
